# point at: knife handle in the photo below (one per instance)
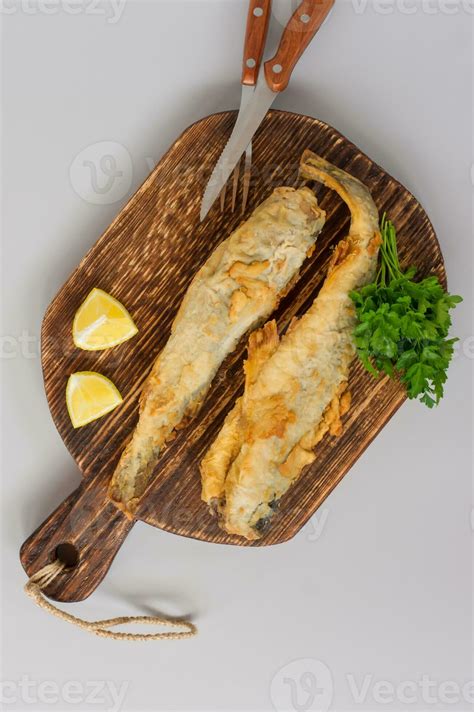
(305, 22)
(255, 37)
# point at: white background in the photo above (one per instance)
(378, 586)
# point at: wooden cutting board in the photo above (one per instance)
(147, 258)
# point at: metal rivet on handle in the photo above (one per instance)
(258, 12)
(305, 19)
(277, 68)
(250, 63)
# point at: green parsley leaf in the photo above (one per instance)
(402, 325)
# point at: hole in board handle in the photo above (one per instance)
(67, 554)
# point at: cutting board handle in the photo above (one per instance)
(85, 532)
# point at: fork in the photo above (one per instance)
(258, 19)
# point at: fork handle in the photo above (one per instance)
(255, 37)
(303, 25)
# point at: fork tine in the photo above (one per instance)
(247, 173)
(235, 184)
(222, 197)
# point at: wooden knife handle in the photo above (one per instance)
(297, 35)
(86, 527)
(255, 37)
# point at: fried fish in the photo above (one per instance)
(296, 387)
(234, 291)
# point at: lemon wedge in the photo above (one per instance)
(89, 395)
(101, 322)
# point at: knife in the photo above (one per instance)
(273, 78)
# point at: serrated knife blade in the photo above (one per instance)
(273, 78)
(248, 121)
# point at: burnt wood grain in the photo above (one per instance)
(147, 258)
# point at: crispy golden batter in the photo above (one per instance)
(295, 390)
(262, 344)
(236, 289)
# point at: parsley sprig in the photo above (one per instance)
(403, 325)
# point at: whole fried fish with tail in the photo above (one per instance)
(297, 387)
(234, 291)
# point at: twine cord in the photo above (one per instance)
(41, 580)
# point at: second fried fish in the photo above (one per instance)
(296, 388)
